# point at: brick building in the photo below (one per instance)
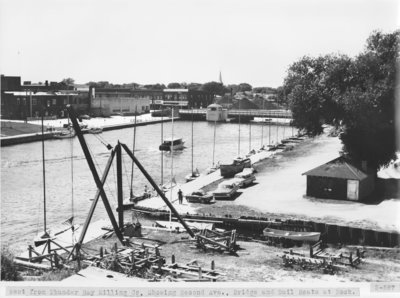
(28, 100)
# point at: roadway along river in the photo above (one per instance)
(21, 170)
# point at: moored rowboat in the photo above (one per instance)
(293, 235)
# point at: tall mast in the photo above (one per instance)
(277, 132)
(215, 126)
(249, 136)
(192, 142)
(262, 128)
(162, 140)
(44, 174)
(133, 151)
(269, 132)
(172, 157)
(239, 132)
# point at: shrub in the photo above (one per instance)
(8, 268)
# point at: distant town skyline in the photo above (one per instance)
(155, 41)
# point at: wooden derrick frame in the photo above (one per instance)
(48, 253)
(135, 260)
(217, 241)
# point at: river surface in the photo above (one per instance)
(69, 182)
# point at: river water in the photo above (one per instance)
(69, 182)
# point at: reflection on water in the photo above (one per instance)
(21, 170)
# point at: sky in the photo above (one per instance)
(164, 41)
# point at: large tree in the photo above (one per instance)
(356, 95)
(245, 87)
(313, 88)
(369, 102)
(174, 86)
(214, 88)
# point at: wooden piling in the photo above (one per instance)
(344, 234)
(133, 260)
(369, 237)
(30, 252)
(356, 236)
(56, 260)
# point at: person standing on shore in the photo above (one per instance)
(180, 196)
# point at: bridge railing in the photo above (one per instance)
(262, 113)
(253, 113)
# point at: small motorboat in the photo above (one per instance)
(199, 196)
(161, 113)
(192, 176)
(130, 202)
(56, 232)
(64, 134)
(213, 168)
(293, 235)
(172, 144)
(95, 130)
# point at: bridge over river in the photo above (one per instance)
(245, 115)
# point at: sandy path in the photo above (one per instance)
(282, 190)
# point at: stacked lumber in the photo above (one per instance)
(321, 259)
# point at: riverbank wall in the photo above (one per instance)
(254, 226)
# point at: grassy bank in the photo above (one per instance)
(11, 128)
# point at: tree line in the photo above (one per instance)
(355, 95)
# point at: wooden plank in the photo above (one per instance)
(179, 271)
(32, 265)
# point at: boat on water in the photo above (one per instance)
(293, 235)
(64, 134)
(161, 113)
(95, 130)
(172, 144)
(54, 233)
(213, 168)
(199, 196)
(128, 203)
(192, 176)
(238, 164)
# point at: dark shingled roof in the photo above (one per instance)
(340, 167)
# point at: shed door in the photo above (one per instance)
(352, 189)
